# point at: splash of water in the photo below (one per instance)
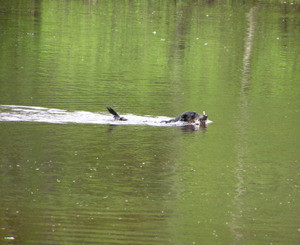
(14, 113)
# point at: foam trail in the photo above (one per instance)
(15, 113)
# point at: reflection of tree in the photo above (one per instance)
(182, 28)
(242, 125)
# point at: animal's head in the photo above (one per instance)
(203, 118)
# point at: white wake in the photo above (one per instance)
(15, 113)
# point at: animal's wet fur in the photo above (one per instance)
(188, 116)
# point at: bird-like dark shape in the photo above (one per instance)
(116, 115)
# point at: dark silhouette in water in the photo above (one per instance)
(188, 116)
(116, 115)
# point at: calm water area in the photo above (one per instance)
(71, 175)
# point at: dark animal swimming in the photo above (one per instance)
(188, 116)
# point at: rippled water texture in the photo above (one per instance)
(71, 174)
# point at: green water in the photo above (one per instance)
(234, 182)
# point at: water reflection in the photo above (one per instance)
(191, 128)
(243, 124)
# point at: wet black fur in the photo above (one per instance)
(189, 116)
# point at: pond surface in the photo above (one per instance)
(71, 175)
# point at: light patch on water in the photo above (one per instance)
(9, 238)
(14, 113)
